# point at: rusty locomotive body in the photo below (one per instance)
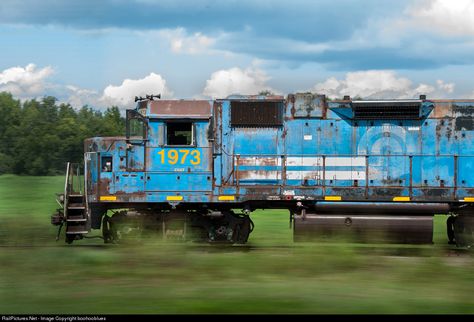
(372, 168)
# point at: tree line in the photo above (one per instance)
(38, 137)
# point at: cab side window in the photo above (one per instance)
(136, 127)
(179, 133)
(106, 164)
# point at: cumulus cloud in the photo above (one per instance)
(446, 16)
(379, 84)
(31, 82)
(78, 97)
(124, 94)
(181, 42)
(25, 82)
(447, 87)
(236, 81)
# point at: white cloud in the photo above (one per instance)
(30, 82)
(380, 84)
(433, 31)
(448, 87)
(25, 82)
(124, 94)
(181, 42)
(236, 81)
(79, 97)
(450, 17)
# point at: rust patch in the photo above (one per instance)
(438, 129)
(134, 165)
(90, 145)
(210, 158)
(391, 182)
(324, 107)
(385, 193)
(261, 191)
(149, 158)
(140, 194)
(293, 110)
(142, 104)
(464, 117)
(104, 143)
(104, 186)
(354, 193)
(464, 123)
(180, 108)
(130, 196)
(258, 161)
(261, 98)
(466, 111)
(433, 193)
(449, 130)
(291, 98)
(470, 191)
(307, 105)
(442, 109)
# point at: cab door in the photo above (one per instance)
(136, 140)
(181, 160)
(131, 179)
(91, 173)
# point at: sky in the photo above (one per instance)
(103, 53)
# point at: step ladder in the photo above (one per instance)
(73, 213)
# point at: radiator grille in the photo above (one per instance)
(386, 110)
(256, 114)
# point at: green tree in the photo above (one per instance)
(10, 111)
(40, 136)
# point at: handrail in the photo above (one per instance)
(66, 192)
(86, 201)
(234, 175)
(349, 155)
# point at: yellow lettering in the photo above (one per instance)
(173, 156)
(197, 157)
(185, 154)
(162, 153)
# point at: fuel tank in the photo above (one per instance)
(401, 223)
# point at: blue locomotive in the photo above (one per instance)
(196, 169)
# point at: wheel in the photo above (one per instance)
(70, 238)
(108, 230)
(450, 230)
(463, 231)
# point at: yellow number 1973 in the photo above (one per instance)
(174, 156)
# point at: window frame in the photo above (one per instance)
(193, 133)
(134, 114)
(108, 157)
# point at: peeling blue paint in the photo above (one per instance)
(321, 149)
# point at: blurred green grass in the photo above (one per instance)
(268, 275)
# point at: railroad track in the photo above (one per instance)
(359, 249)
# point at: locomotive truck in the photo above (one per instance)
(197, 169)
